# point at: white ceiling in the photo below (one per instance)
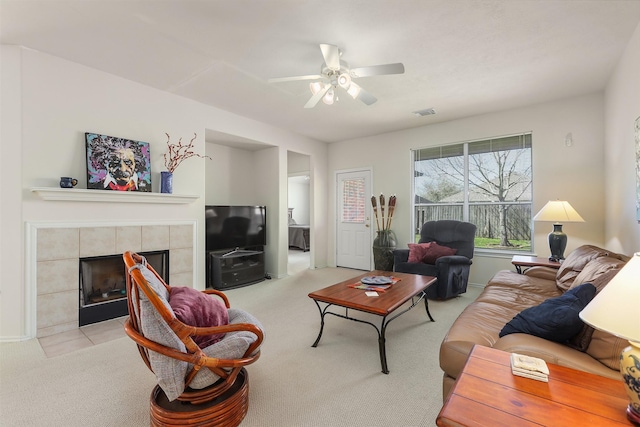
(462, 57)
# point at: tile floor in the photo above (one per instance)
(86, 336)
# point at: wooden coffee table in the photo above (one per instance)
(487, 394)
(410, 287)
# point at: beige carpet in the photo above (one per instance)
(339, 383)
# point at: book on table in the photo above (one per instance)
(529, 367)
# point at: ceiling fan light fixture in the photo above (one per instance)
(315, 87)
(344, 80)
(328, 97)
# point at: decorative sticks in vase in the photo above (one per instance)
(391, 207)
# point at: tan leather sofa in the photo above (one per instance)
(508, 293)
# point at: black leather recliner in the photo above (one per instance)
(452, 271)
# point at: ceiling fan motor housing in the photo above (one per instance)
(340, 77)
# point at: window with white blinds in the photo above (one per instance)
(487, 182)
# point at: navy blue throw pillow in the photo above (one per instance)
(555, 319)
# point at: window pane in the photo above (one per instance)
(502, 226)
(353, 200)
(439, 179)
(500, 176)
(491, 186)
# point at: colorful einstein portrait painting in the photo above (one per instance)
(117, 163)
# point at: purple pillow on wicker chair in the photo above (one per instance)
(195, 308)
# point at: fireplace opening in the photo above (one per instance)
(103, 293)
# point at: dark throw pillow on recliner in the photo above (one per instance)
(429, 252)
(436, 251)
(556, 319)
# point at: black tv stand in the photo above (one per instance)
(233, 268)
(239, 252)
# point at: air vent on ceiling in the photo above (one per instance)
(425, 112)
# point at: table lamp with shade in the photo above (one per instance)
(558, 212)
(616, 310)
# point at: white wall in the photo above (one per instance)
(270, 183)
(622, 101)
(47, 105)
(298, 200)
(12, 296)
(229, 176)
(297, 164)
(572, 173)
(298, 190)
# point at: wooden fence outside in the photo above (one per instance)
(485, 217)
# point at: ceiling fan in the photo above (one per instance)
(335, 73)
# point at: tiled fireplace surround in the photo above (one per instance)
(58, 250)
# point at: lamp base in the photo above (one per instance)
(557, 243)
(630, 370)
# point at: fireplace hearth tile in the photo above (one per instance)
(181, 236)
(128, 239)
(97, 241)
(62, 337)
(64, 347)
(181, 279)
(58, 308)
(56, 329)
(57, 276)
(57, 243)
(108, 330)
(181, 260)
(155, 237)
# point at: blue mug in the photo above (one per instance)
(66, 182)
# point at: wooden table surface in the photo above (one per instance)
(487, 394)
(532, 261)
(341, 294)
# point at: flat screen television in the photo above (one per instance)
(230, 227)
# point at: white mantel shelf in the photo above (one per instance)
(82, 195)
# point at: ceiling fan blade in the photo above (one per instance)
(358, 93)
(331, 56)
(294, 78)
(317, 97)
(378, 70)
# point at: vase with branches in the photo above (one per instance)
(173, 157)
(385, 242)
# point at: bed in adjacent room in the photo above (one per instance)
(298, 236)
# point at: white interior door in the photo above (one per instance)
(353, 228)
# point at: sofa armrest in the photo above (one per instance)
(542, 273)
(453, 356)
(553, 352)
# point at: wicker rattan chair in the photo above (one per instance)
(196, 386)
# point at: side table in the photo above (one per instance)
(520, 261)
(487, 394)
